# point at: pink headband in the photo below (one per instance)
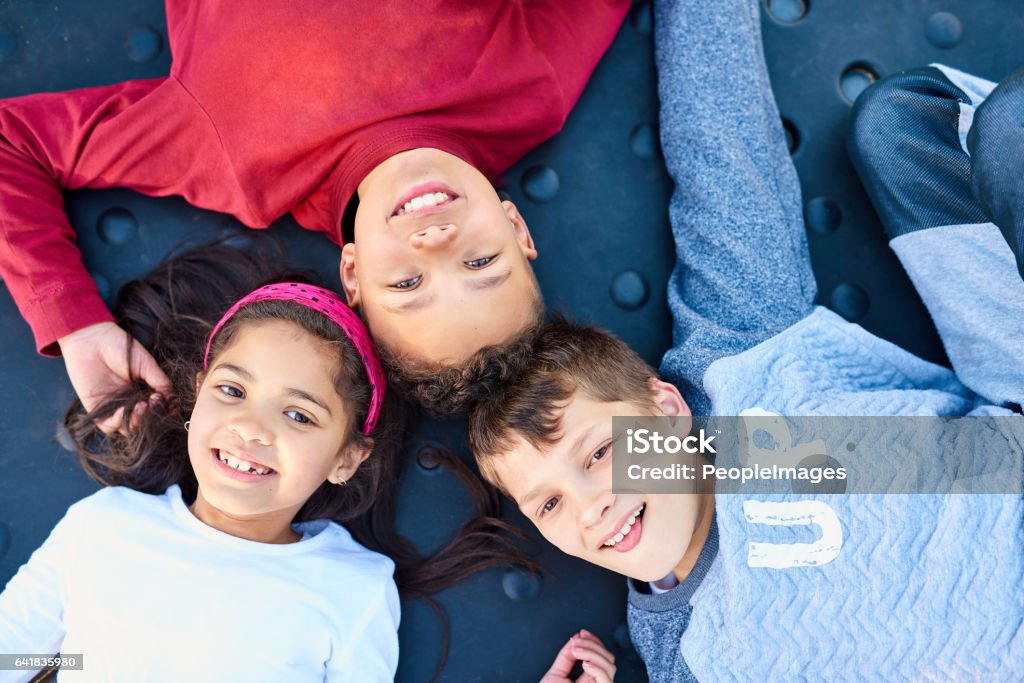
(329, 304)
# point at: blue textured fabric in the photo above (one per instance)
(655, 620)
(922, 587)
(743, 272)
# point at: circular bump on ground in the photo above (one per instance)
(851, 447)
(428, 458)
(143, 44)
(630, 290)
(117, 226)
(792, 135)
(787, 11)
(823, 215)
(540, 183)
(520, 586)
(5, 539)
(855, 79)
(825, 486)
(63, 437)
(103, 285)
(944, 30)
(641, 18)
(7, 43)
(644, 141)
(850, 301)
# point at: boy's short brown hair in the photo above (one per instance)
(563, 358)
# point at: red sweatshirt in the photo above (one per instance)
(277, 106)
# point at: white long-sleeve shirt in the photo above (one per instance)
(145, 591)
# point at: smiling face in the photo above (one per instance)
(267, 430)
(439, 264)
(566, 491)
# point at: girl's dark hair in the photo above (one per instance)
(171, 312)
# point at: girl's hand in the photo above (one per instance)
(97, 362)
(598, 662)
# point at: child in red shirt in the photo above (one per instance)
(281, 107)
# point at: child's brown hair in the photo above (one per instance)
(563, 358)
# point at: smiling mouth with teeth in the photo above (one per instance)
(425, 199)
(242, 465)
(625, 528)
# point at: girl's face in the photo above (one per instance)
(267, 430)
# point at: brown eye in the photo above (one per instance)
(599, 453)
(299, 417)
(408, 284)
(550, 505)
(480, 262)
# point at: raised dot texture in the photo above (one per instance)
(644, 141)
(427, 458)
(5, 539)
(7, 43)
(823, 215)
(792, 135)
(855, 79)
(787, 11)
(143, 44)
(540, 183)
(944, 30)
(63, 437)
(117, 226)
(629, 290)
(641, 18)
(825, 486)
(520, 586)
(850, 301)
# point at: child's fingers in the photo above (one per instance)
(113, 423)
(592, 652)
(597, 674)
(145, 367)
(564, 661)
(589, 650)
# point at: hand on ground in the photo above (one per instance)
(585, 647)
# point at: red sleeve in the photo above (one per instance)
(574, 34)
(149, 136)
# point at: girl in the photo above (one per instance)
(231, 564)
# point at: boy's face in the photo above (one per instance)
(440, 265)
(566, 491)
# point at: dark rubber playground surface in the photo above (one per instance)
(595, 198)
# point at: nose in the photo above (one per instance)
(434, 236)
(595, 507)
(251, 428)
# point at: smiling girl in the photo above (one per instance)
(217, 550)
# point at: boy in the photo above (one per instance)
(907, 590)
(404, 110)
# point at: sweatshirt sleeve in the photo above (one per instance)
(32, 604)
(147, 135)
(743, 272)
